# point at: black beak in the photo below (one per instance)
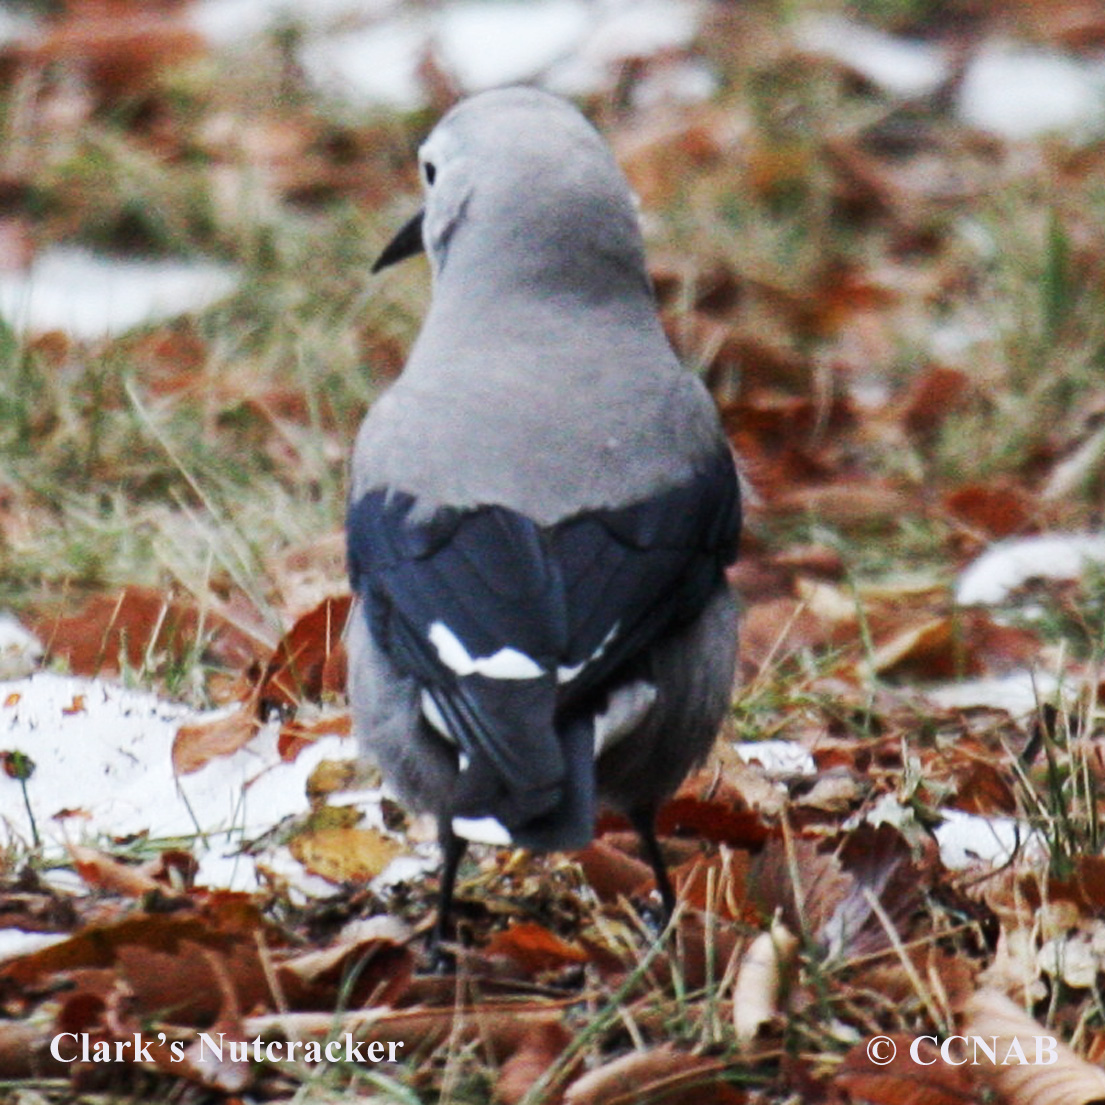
(406, 243)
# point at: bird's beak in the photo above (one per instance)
(406, 243)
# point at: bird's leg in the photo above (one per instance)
(452, 851)
(644, 821)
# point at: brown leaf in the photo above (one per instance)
(661, 1074)
(1031, 1076)
(373, 965)
(687, 815)
(846, 504)
(611, 872)
(197, 743)
(297, 735)
(342, 855)
(140, 628)
(903, 1081)
(539, 1048)
(996, 509)
(160, 958)
(718, 884)
(932, 395)
(534, 948)
(306, 663)
(777, 629)
(105, 873)
(118, 47)
(929, 649)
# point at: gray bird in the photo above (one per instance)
(542, 507)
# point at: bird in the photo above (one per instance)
(542, 508)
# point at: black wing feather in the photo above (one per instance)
(594, 590)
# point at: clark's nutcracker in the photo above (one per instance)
(542, 509)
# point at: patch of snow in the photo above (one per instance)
(1021, 92)
(629, 29)
(1010, 564)
(15, 942)
(103, 768)
(20, 650)
(224, 22)
(967, 838)
(14, 27)
(484, 44)
(901, 67)
(571, 46)
(1018, 693)
(91, 296)
(777, 757)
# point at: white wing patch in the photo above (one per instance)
(507, 663)
(566, 675)
(625, 710)
(435, 717)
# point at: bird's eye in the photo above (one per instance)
(430, 171)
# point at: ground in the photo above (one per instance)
(876, 231)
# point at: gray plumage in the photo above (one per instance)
(542, 506)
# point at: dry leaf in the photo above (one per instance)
(846, 504)
(139, 627)
(997, 510)
(610, 871)
(539, 1048)
(1031, 1067)
(310, 660)
(756, 990)
(105, 873)
(902, 1080)
(663, 1074)
(344, 854)
(534, 948)
(196, 744)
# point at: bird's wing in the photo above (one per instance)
(504, 623)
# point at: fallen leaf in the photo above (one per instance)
(903, 1081)
(106, 873)
(534, 948)
(932, 395)
(540, 1047)
(344, 854)
(139, 628)
(662, 1073)
(759, 980)
(610, 872)
(197, 743)
(996, 510)
(847, 504)
(309, 660)
(1040, 1070)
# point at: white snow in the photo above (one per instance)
(901, 67)
(20, 650)
(91, 296)
(570, 46)
(103, 768)
(1010, 564)
(778, 757)
(968, 838)
(224, 22)
(1021, 92)
(1019, 693)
